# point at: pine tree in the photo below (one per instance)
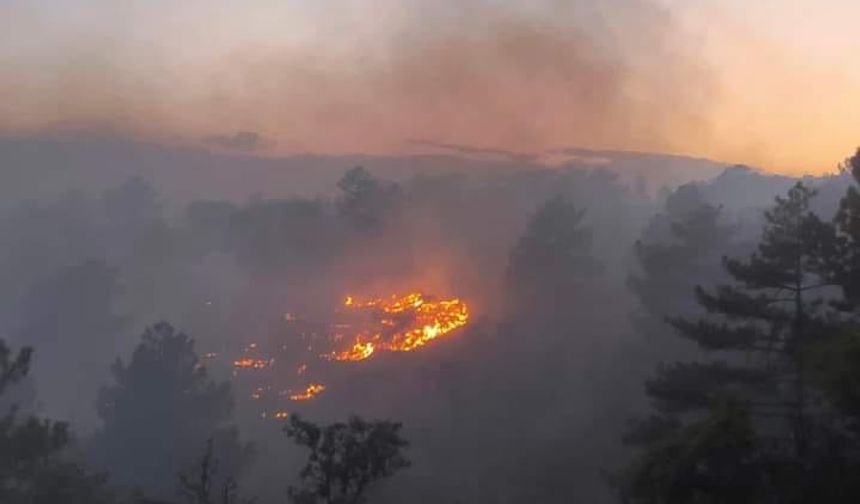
(844, 267)
(681, 246)
(757, 329)
(553, 259)
(709, 461)
(160, 409)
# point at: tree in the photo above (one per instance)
(69, 311)
(835, 365)
(553, 291)
(683, 245)
(39, 239)
(20, 396)
(553, 258)
(837, 361)
(209, 225)
(281, 236)
(161, 407)
(132, 206)
(33, 468)
(345, 459)
(757, 328)
(135, 232)
(844, 266)
(363, 199)
(710, 461)
(201, 485)
(549, 280)
(13, 369)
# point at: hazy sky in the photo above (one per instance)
(774, 83)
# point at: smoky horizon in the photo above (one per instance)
(429, 252)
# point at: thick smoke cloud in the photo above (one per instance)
(362, 76)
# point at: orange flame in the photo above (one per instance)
(425, 321)
(249, 363)
(359, 351)
(312, 390)
(395, 324)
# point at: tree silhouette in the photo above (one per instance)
(345, 458)
(160, 409)
(553, 257)
(33, 468)
(363, 199)
(681, 247)
(278, 236)
(71, 310)
(203, 484)
(757, 328)
(710, 461)
(13, 369)
(844, 266)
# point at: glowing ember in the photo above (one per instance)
(249, 363)
(359, 351)
(310, 392)
(359, 329)
(407, 323)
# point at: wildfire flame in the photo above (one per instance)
(249, 363)
(408, 322)
(308, 393)
(361, 329)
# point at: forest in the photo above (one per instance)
(527, 334)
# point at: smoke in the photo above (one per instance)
(360, 76)
(241, 140)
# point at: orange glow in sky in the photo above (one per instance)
(772, 83)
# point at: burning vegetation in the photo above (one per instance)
(308, 393)
(401, 324)
(359, 329)
(249, 363)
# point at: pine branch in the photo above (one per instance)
(684, 387)
(720, 336)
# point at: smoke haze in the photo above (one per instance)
(472, 217)
(360, 77)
